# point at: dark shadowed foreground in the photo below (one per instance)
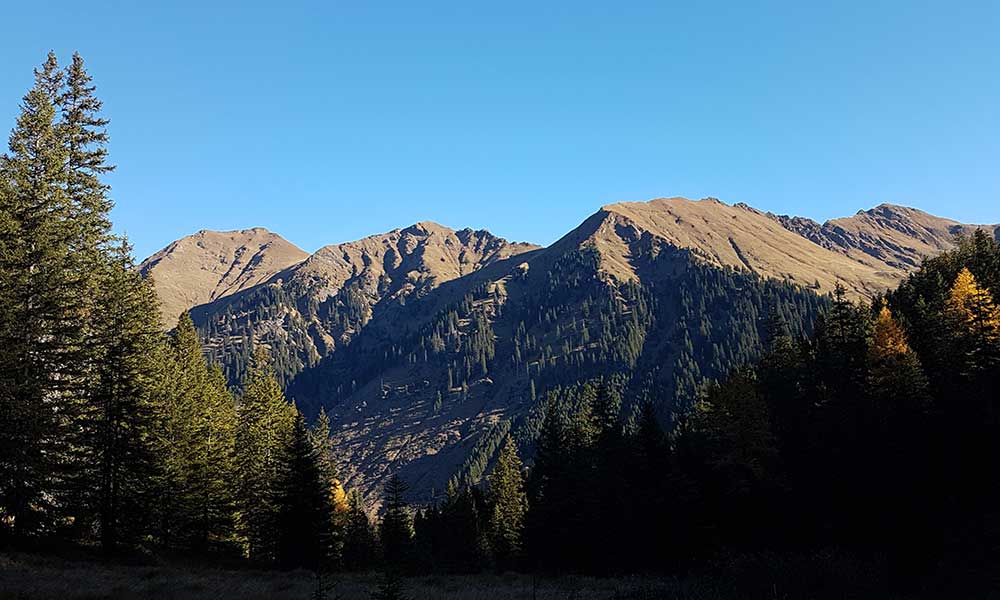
(33, 576)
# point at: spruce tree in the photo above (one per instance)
(41, 324)
(86, 138)
(319, 435)
(396, 528)
(195, 443)
(304, 513)
(263, 432)
(509, 505)
(127, 332)
(360, 547)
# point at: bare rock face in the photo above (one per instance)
(888, 237)
(210, 265)
(403, 261)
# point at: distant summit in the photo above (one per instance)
(426, 345)
(209, 265)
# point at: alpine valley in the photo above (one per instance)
(427, 346)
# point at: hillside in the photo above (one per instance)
(889, 238)
(428, 345)
(321, 303)
(724, 236)
(209, 265)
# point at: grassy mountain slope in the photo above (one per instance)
(209, 265)
(428, 345)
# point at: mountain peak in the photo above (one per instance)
(723, 235)
(209, 265)
(427, 227)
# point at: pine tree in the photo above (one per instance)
(509, 505)
(319, 435)
(127, 332)
(304, 512)
(359, 536)
(195, 445)
(264, 426)
(41, 324)
(396, 528)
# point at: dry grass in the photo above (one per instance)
(27, 576)
(78, 575)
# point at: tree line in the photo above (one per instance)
(877, 435)
(875, 430)
(112, 432)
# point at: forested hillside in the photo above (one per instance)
(614, 404)
(479, 368)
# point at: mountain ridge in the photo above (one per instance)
(208, 265)
(425, 345)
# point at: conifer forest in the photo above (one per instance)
(726, 435)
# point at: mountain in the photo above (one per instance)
(889, 238)
(210, 265)
(720, 235)
(316, 306)
(427, 346)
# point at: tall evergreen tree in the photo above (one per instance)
(195, 443)
(83, 129)
(127, 332)
(319, 435)
(41, 325)
(304, 513)
(396, 528)
(263, 432)
(360, 547)
(509, 505)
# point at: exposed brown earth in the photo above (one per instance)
(209, 265)
(404, 278)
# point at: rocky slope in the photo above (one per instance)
(318, 305)
(210, 265)
(428, 345)
(889, 238)
(738, 237)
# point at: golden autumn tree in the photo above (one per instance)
(896, 381)
(975, 308)
(975, 318)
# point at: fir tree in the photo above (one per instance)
(304, 513)
(41, 325)
(264, 426)
(509, 505)
(123, 420)
(396, 528)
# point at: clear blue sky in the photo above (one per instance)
(331, 120)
